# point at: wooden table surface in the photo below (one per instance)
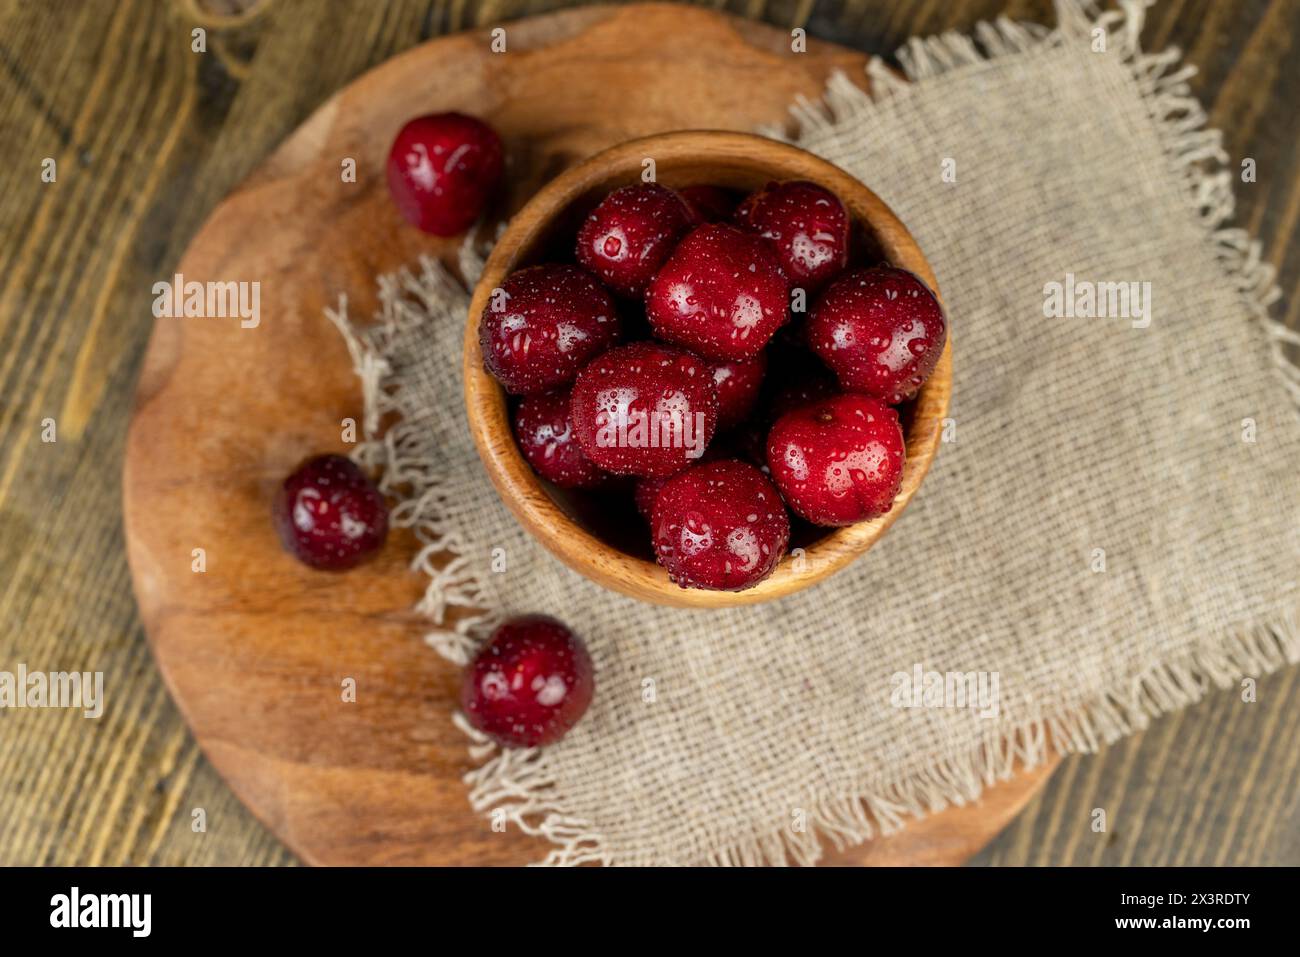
(148, 136)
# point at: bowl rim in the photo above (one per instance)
(486, 402)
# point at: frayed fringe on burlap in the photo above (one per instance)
(519, 787)
(395, 444)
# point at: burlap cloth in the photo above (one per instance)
(1112, 527)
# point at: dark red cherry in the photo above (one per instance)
(443, 169)
(529, 684)
(329, 514)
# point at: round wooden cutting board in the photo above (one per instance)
(255, 648)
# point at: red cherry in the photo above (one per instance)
(329, 514)
(881, 330)
(529, 684)
(719, 526)
(721, 293)
(545, 436)
(808, 225)
(442, 169)
(629, 235)
(838, 461)
(738, 382)
(543, 325)
(645, 409)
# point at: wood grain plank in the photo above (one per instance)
(1214, 784)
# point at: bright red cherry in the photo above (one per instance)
(720, 525)
(808, 225)
(442, 170)
(645, 409)
(881, 330)
(629, 235)
(721, 293)
(838, 461)
(529, 684)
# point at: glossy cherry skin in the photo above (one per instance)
(719, 525)
(545, 436)
(529, 684)
(808, 225)
(329, 515)
(721, 293)
(543, 325)
(881, 330)
(645, 409)
(838, 461)
(738, 383)
(443, 169)
(628, 236)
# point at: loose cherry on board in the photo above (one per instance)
(543, 325)
(838, 461)
(808, 225)
(645, 409)
(719, 525)
(881, 330)
(442, 170)
(721, 294)
(329, 515)
(529, 684)
(628, 236)
(545, 436)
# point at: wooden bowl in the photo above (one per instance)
(567, 523)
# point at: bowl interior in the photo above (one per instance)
(606, 525)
